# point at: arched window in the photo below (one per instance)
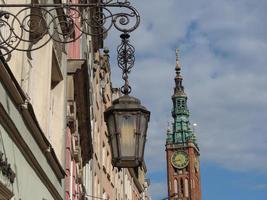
(182, 186)
(183, 103)
(186, 191)
(178, 103)
(175, 186)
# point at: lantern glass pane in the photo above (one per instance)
(111, 125)
(142, 139)
(127, 134)
(114, 146)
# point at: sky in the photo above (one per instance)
(223, 53)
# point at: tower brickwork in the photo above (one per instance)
(182, 152)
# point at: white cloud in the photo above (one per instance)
(223, 53)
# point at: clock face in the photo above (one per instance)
(179, 159)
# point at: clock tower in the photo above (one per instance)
(182, 151)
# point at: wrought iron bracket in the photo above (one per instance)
(28, 27)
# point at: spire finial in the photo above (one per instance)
(179, 89)
(178, 66)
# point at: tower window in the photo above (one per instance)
(175, 186)
(182, 187)
(178, 103)
(186, 191)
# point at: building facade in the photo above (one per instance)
(182, 151)
(33, 124)
(53, 138)
(109, 182)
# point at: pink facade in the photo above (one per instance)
(72, 186)
(74, 47)
(68, 163)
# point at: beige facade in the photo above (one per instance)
(109, 183)
(33, 123)
(46, 72)
(53, 137)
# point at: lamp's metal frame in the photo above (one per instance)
(36, 24)
(126, 59)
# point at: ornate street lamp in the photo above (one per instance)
(127, 120)
(29, 27)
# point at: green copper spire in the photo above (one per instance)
(181, 130)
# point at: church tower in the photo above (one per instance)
(181, 148)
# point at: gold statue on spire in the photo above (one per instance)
(178, 66)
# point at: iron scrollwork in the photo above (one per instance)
(28, 27)
(126, 61)
(6, 170)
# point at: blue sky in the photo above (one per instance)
(223, 45)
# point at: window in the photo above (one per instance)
(175, 186)
(186, 188)
(178, 103)
(55, 119)
(108, 163)
(56, 74)
(182, 186)
(103, 154)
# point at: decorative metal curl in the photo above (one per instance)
(5, 168)
(126, 61)
(32, 26)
